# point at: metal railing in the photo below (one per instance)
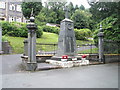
(43, 48)
(87, 49)
(111, 47)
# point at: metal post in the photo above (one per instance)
(100, 45)
(31, 64)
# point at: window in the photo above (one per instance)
(12, 7)
(18, 19)
(2, 5)
(11, 19)
(19, 8)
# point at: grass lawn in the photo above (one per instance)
(48, 38)
(18, 46)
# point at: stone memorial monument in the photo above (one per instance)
(66, 55)
(67, 40)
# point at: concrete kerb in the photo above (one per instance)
(48, 66)
(51, 67)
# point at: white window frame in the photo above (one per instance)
(2, 5)
(18, 19)
(18, 8)
(11, 18)
(12, 7)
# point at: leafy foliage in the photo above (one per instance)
(110, 28)
(81, 19)
(17, 29)
(27, 8)
(51, 29)
(82, 7)
(71, 9)
(4, 39)
(82, 34)
(52, 12)
(102, 10)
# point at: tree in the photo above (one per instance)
(102, 10)
(111, 29)
(71, 8)
(76, 7)
(53, 12)
(58, 8)
(27, 8)
(82, 7)
(81, 19)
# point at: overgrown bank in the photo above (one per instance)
(16, 29)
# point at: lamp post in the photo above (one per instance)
(31, 64)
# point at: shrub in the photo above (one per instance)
(110, 29)
(17, 29)
(51, 29)
(39, 32)
(6, 27)
(82, 34)
(4, 39)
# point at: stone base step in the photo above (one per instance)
(68, 64)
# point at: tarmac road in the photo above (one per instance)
(94, 76)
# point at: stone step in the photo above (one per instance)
(46, 66)
(67, 64)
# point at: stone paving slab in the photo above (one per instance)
(12, 64)
(91, 76)
(46, 66)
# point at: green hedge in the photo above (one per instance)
(17, 29)
(20, 30)
(82, 34)
(4, 39)
(51, 29)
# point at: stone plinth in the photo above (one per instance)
(67, 40)
(68, 64)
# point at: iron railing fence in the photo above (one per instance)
(111, 47)
(43, 48)
(87, 49)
